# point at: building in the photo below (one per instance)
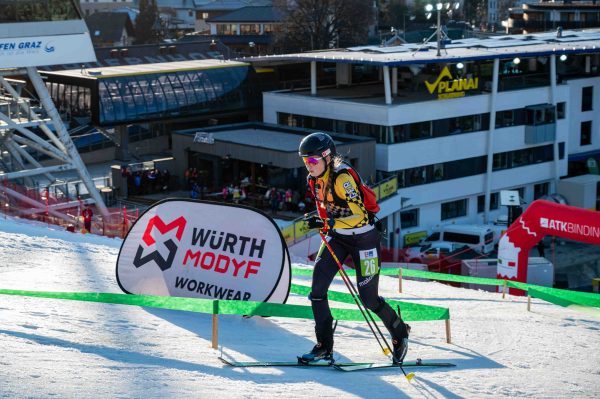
(549, 15)
(457, 126)
(110, 29)
(89, 7)
(247, 30)
(217, 8)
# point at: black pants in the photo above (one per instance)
(368, 284)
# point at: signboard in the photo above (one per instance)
(388, 188)
(446, 86)
(206, 138)
(46, 50)
(414, 238)
(208, 250)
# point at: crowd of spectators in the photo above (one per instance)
(144, 182)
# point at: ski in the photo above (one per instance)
(297, 363)
(349, 366)
(372, 366)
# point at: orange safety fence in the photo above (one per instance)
(61, 210)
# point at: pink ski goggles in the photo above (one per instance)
(311, 160)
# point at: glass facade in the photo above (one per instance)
(174, 94)
(37, 10)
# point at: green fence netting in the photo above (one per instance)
(565, 297)
(211, 306)
(410, 311)
(552, 295)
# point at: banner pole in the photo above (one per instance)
(400, 280)
(504, 289)
(529, 303)
(448, 333)
(215, 325)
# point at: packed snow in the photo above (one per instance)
(71, 349)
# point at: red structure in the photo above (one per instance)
(542, 218)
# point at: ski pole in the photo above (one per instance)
(363, 309)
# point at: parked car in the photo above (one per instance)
(430, 252)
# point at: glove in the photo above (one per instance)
(314, 222)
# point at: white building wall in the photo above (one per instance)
(577, 116)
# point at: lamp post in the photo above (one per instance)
(449, 8)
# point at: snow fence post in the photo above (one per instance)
(215, 325)
(504, 289)
(400, 280)
(529, 303)
(448, 334)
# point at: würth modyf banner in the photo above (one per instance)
(205, 250)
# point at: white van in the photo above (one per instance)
(480, 238)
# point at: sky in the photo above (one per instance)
(68, 349)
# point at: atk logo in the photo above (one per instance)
(450, 87)
(163, 228)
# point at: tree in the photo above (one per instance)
(394, 13)
(322, 24)
(147, 23)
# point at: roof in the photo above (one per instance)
(505, 46)
(152, 54)
(249, 14)
(108, 26)
(267, 135)
(145, 69)
(224, 5)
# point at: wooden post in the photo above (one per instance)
(400, 280)
(215, 331)
(504, 286)
(529, 303)
(448, 334)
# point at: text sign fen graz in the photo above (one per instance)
(205, 250)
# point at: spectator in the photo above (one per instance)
(87, 214)
(274, 199)
(195, 191)
(288, 199)
(236, 194)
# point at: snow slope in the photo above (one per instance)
(68, 349)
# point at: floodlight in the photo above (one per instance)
(517, 61)
(428, 15)
(563, 57)
(428, 7)
(439, 6)
(456, 5)
(447, 6)
(460, 65)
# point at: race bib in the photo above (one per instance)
(369, 262)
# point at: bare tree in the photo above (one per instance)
(147, 24)
(322, 24)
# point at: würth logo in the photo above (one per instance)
(149, 240)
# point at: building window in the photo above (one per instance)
(249, 29)
(586, 133)
(539, 190)
(587, 94)
(493, 202)
(454, 209)
(560, 110)
(409, 218)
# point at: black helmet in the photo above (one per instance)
(319, 143)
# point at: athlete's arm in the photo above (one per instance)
(345, 187)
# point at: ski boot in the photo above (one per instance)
(400, 341)
(323, 350)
